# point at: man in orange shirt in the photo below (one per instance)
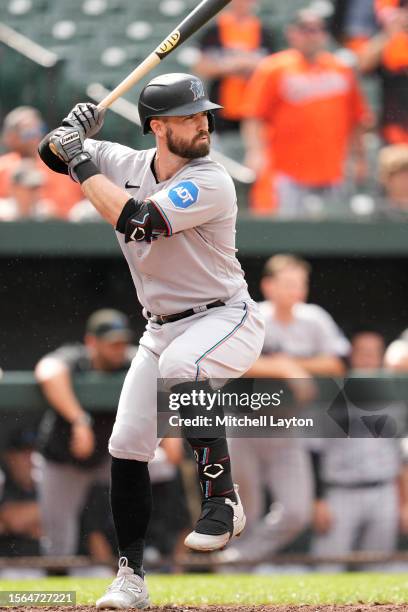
(23, 129)
(387, 55)
(231, 48)
(304, 108)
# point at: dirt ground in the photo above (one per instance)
(290, 608)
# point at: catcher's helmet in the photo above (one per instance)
(176, 94)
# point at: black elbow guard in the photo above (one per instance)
(48, 157)
(141, 221)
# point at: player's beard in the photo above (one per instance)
(188, 149)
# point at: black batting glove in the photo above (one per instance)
(67, 143)
(86, 116)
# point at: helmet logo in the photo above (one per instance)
(197, 88)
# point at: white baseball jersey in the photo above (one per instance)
(312, 332)
(347, 461)
(196, 265)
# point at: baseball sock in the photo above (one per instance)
(131, 503)
(211, 454)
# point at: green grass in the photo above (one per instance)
(235, 589)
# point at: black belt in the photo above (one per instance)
(162, 319)
(367, 484)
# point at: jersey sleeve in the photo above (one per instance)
(108, 156)
(193, 200)
(68, 357)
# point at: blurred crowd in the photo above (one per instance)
(343, 494)
(294, 104)
(310, 134)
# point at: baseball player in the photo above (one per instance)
(301, 340)
(174, 212)
(71, 442)
(357, 499)
(360, 492)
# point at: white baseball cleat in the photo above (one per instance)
(128, 590)
(220, 520)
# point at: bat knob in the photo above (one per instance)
(54, 150)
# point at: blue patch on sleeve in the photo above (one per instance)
(184, 194)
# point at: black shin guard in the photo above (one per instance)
(131, 502)
(214, 467)
(211, 454)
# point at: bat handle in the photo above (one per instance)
(138, 73)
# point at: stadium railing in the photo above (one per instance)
(255, 236)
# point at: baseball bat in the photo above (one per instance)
(205, 11)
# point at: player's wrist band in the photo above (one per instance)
(83, 167)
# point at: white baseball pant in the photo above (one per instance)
(219, 343)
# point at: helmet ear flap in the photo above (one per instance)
(211, 121)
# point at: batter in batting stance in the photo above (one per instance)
(174, 212)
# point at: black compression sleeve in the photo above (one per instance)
(48, 157)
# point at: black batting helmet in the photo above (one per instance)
(174, 95)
